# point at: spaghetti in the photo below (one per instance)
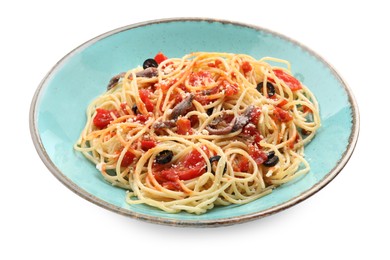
(186, 134)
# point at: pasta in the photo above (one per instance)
(207, 129)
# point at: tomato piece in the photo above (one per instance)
(160, 57)
(145, 97)
(193, 165)
(202, 99)
(191, 173)
(103, 117)
(194, 120)
(246, 67)
(172, 185)
(165, 85)
(283, 102)
(282, 115)
(177, 97)
(194, 158)
(251, 130)
(190, 167)
(290, 81)
(141, 118)
(183, 126)
(125, 108)
(242, 165)
(169, 174)
(181, 173)
(306, 109)
(230, 89)
(215, 64)
(200, 78)
(255, 115)
(293, 142)
(257, 155)
(128, 159)
(168, 179)
(148, 144)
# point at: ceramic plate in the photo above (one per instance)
(58, 110)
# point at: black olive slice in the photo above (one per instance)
(272, 160)
(270, 154)
(164, 157)
(270, 88)
(111, 172)
(216, 159)
(210, 111)
(134, 108)
(150, 63)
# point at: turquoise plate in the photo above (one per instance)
(58, 107)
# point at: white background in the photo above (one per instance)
(42, 219)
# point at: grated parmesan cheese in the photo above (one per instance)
(99, 166)
(168, 70)
(269, 173)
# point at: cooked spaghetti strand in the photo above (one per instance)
(202, 130)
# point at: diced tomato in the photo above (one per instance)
(177, 97)
(194, 158)
(283, 102)
(292, 143)
(165, 85)
(290, 81)
(128, 159)
(255, 116)
(215, 64)
(258, 155)
(141, 118)
(190, 167)
(160, 57)
(103, 117)
(246, 67)
(125, 108)
(183, 126)
(306, 109)
(242, 165)
(200, 78)
(164, 175)
(194, 120)
(145, 97)
(282, 115)
(147, 144)
(191, 173)
(251, 130)
(193, 165)
(172, 185)
(169, 63)
(230, 89)
(202, 99)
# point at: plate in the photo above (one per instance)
(57, 113)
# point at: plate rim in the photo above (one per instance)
(224, 221)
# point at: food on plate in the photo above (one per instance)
(207, 129)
